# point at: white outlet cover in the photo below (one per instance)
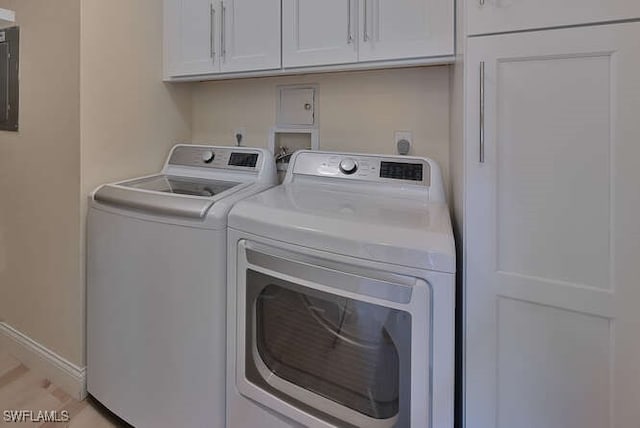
(403, 135)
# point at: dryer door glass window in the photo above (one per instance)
(346, 359)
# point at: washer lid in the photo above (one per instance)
(385, 228)
(181, 185)
(167, 195)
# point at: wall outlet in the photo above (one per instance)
(403, 136)
(239, 136)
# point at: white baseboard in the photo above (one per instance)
(60, 371)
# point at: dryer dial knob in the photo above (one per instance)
(208, 156)
(348, 166)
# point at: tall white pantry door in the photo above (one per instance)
(552, 274)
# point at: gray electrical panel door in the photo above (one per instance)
(9, 85)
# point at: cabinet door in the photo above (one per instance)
(495, 16)
(250, 35)
(552, 232)
(190, 28)
(319, 32)
(398, 29)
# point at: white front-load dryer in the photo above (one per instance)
(341, 297)
(156, 292)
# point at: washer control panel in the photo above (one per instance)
(383, 169)
(348, 166)
(208, 156)
(239, 158)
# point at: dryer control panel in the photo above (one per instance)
(371, 168)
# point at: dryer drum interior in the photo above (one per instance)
(354, 354)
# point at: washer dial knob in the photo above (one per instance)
(208, 156)
(348, 166)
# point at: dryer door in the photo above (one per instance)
(326, 341)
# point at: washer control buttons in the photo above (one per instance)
(348, 166)
(208, 156)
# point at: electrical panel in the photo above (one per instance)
(9, 82)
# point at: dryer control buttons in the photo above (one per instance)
(348, 166)
(208, 156)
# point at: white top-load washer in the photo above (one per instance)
(341, 297)
(156, 272)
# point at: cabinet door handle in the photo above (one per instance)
(223, 29)
(349, 32)
(366, 20)
(481, 2)
(212, 32)
(481, 158)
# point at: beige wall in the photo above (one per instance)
(40, 289)
(130, 118)
(93, 109)
(358, 111)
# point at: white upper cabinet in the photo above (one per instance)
(495, 16)
(210, 37)
(319, 32)
(189, 37)
(343, 32)
(250, 35)
(221, 38)
(394, 29)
